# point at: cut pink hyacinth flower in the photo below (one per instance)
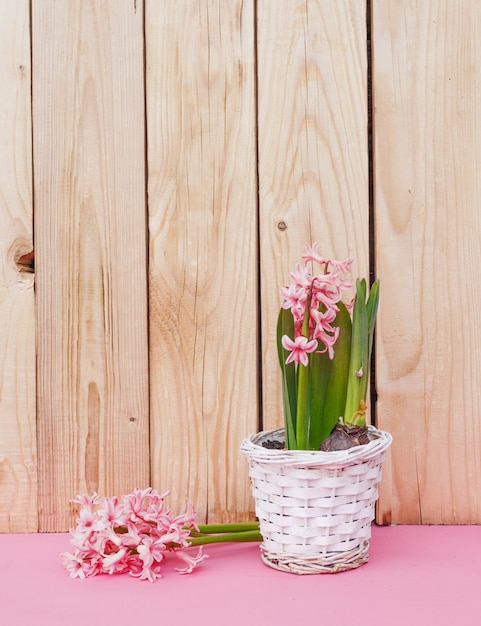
(132, 534)
(299, 349)
(191, 561)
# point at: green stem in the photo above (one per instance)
(302, 425)
(248, 535)
(228, 528)
(303, 391)
(219, 533)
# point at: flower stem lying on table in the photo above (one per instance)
(218, 533)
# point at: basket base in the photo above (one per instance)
(331, 563)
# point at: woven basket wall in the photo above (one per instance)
(315, 508)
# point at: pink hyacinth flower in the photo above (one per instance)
(151, 550)
(299, 349)
(74, 564)
(312, 254)
(112, 511)
(128, 534)
(327, 339)
(293, 295)
(115, 562)
(302, 276)
(190, 560)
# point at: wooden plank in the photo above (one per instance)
(313, 159)
(18, 469)
(427, 89)
(203, 252)
(90, 233)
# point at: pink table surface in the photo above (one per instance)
(416, 575)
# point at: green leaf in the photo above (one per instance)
(329, 382)
(371, 308)
(285, 326)
(358, 374)
(320, 366)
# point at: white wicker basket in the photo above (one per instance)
(315, 508)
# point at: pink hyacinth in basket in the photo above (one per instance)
(315, 481)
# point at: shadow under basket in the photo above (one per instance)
(315, 508)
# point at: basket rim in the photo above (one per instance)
(253, 449)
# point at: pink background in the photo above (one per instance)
(416, 575)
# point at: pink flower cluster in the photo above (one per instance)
(319, 294)
(129, 534)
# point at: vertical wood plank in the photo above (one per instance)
(427, 88)
(18, 470)
(313, 159)
(90, 233)
(203, 256)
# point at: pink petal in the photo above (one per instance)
(192, 561)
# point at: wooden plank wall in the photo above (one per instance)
(18, 456)
(427, 99)
(90, 249)
(175, 157)
(203, 250)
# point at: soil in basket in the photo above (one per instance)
(343, 437)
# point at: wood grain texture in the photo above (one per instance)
(427, 88)
(313, 158)
(18, 469)
(203, 250)
(90, 232)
